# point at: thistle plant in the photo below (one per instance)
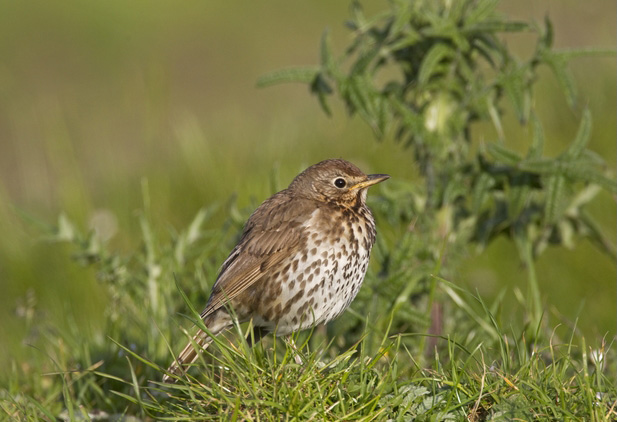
(429, 74)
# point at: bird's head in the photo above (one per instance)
(335, 181)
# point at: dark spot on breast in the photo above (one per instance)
(294, 299)
(311, 293)
(268, 314)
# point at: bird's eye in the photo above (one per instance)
(340, 183)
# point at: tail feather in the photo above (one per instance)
(189, 354)
(216, 323)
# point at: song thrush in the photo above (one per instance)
(300, 260)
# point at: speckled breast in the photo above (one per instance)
(319, 282)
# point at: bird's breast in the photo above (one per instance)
(319, 281)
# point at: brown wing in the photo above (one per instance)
(272, 233)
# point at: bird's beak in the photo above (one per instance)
(371, 180)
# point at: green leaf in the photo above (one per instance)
(591, 175)
(518, 195)
(582, 137)
(503, 155)
(433, 58)
(357, 15)
(587, 52)
(553, 207)
(487, 46)
(514, 83)
(495, 26)
(363, 62)
(298, 74)
(577, 171)
(411, 38)
(414, 122)
(353, 95)
(321, 88)
(327, 59)
(559, 65)
(455, 10)
(495, 116)
(540, 165)
(537, 141)
(546, 41)
(366, 102)
(482, 10)
(481, 191)
(449, 30)
(402, 16)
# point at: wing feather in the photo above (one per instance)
(272, 233)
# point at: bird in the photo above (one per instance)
(300, 261)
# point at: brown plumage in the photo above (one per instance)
(300, 261)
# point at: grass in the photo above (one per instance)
(485, 369)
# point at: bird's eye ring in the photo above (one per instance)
(340, 183)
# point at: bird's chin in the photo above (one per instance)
(362, 195)
(359, 198)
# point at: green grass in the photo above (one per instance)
(486, 368)
(266, 384)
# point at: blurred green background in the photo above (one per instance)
(109, 108)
